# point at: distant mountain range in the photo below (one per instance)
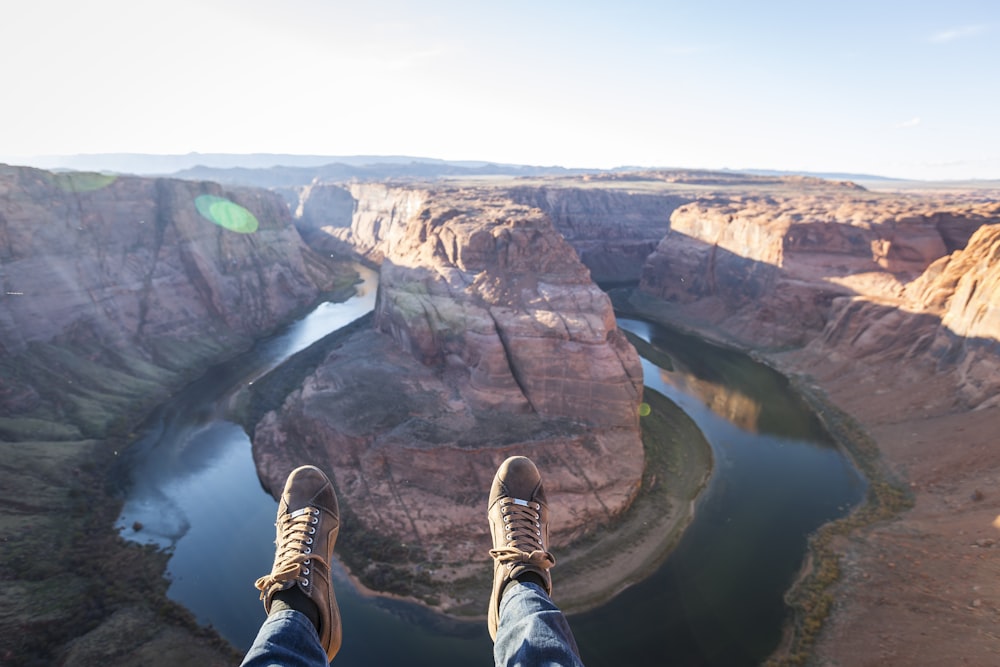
(160, 165)
(284, 170)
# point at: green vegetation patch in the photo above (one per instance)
(811, 596)
(887, 498)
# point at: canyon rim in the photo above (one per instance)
(117, 289)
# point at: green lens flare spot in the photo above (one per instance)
(226, 214)
(644, 409)
(82, 181)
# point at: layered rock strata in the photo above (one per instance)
(613, 231)
(490, 340)
(359, 219)
(887, 305)
(131, 268)
(113, 292)
(774, 271)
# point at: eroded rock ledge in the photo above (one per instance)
(490, 340)
(115, 291)
(848, 276)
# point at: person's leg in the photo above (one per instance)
(532, 631)
(287, 638)
(303, 623)
(526, 626)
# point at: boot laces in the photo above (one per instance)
(293, 562)
(522, 535)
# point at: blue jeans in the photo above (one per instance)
(531, 632)
(287, 638)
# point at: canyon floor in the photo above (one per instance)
(923, 588)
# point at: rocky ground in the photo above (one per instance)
(887, 308)
(923, 588)
(488, 339)
(116, 291)
(881, 304)
(883, 307)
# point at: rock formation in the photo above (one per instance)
(612, 230)
(887, 305)
(113, 292)
(129, 271)
(363, 219)
(773, 272)
(493, 340)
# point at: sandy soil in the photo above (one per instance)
(923, 589)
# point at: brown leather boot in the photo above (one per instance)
(519, 521)
(306, 531)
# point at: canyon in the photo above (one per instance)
(117, 291)
(882, 305)
(490, 336)
(489, 339)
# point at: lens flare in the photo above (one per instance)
(82, 181)
(226, 214)
(644, 409)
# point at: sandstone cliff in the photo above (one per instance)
(885, 305)
(947, 320)
(114, 291)
(363, 219)
(128, 273)
(770, 270)
(613, 231)
(493, 340)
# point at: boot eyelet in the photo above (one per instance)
(305, 571)
(312, 531)
(309, 540)
(315, 520)
(308, 550)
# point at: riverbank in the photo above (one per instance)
(75, 592)
(810, 597)
(912, 576)
(591, 571)
(921, 586)
(678, 463)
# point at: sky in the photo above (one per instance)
(904, 89)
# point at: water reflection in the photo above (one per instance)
(193, 487)
(732, 385)
(717, 600)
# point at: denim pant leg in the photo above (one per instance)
(532, 632)
(286, 639)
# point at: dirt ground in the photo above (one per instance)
(923, 589)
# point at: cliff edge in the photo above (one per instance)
(490, 339)
(114, 291)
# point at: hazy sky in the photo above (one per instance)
(909, 89)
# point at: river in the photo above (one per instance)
(717, 599)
